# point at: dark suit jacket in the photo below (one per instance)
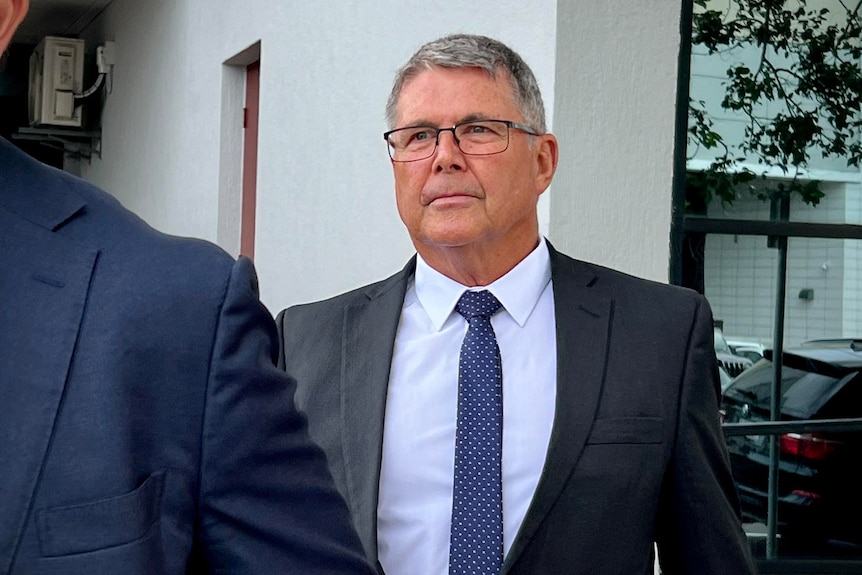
(636, 453)
(144, 428)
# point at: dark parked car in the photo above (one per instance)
(819, 481)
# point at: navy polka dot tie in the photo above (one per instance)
(476, 539)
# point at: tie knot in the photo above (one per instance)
(477, 303)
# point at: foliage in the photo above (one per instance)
(808, 70)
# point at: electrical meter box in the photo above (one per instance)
(56, 75)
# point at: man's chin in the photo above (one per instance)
(447, 239)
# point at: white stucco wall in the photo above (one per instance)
(159, 125)
(326, 220)
(614, 116)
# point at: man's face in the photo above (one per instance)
(452, 199)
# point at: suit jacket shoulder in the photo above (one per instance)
(147, 424)
(80, 212)
(614, 282)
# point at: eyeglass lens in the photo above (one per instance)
(475, 138)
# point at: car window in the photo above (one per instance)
(808, 395)
(802, 393)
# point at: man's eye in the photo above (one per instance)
(476, 129)
(421, 136)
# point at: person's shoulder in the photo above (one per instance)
(615, 282)
(115, 226)
(84, 213)
(130, 251)
(361, 295)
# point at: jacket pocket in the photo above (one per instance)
(626, 430)
(101, 524)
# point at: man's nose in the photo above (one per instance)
(449, 155)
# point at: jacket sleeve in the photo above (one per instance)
(699, 528)
(267, 502)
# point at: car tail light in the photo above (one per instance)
(800, 497)
(807, 445)
(805, 495)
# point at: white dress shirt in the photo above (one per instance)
(416, 476)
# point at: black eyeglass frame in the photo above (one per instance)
(509, 125)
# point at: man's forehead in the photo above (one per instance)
(444, 87)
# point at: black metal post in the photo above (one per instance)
(779, 210)
(675, 271)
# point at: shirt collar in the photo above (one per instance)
(518, 290)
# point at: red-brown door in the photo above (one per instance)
(249, 159)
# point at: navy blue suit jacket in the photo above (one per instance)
(143, 426)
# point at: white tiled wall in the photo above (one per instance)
(852, 318)
(740, 273)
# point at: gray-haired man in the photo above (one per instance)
(496, 406)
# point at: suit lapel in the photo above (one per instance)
(369, 337)
(44, 280)
(582, 318)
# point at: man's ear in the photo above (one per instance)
(547, 156)
(11, 14)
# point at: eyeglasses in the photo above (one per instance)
(474, 138)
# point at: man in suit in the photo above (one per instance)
(608, 439)
(145, 428)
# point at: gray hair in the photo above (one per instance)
(470, 51)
